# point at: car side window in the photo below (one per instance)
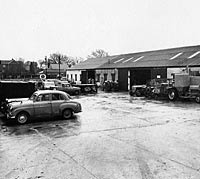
(58, 97)
(55, 97)
(43, 97)
(62, 97)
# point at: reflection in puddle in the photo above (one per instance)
(58, 128)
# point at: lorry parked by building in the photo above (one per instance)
(13, 90)
(182, 86)
(185, 87)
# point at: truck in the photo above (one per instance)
(13, 90)
(183, 86)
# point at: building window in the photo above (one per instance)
(105, 76)
(80, 77)
(71, 76)
(67, 76)
(113, 76)
(75, 77)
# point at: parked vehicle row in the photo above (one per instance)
(182, 86)
(72, 89)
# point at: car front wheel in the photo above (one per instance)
(67, 113)
(22, 117)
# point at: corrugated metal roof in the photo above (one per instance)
(175, 57)
(5, 62)
(92, 63)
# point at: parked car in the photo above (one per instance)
(45, 85)
(42, 104)
(68, 88)
(49, 85)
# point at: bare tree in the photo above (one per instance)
(98, 54)
(64, 59)
(41, 62)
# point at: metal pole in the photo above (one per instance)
(46, 64)
(59, 66)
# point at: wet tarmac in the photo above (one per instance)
(115, 137)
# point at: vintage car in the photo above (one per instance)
(43, 104)
(45, 85)
(49, 85)
(68, 88)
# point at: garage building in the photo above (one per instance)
(138, 68)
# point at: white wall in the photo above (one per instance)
(170, 71)
(109, 73)
(72, 73)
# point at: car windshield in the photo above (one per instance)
(65, 85)
(33, 97)
(49, 83)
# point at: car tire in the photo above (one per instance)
(22, 117)
(77, 92)
(131, 93)
(197, 99)
(172, 95)
(87, 89)
(67, 113)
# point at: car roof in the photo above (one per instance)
(50, 91)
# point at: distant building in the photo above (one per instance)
(11, 69)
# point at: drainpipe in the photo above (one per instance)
(129, 74)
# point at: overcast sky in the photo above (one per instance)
(33, 29)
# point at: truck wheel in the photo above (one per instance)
(67, 113)
(197, 99)
(77, 92)
(87, 89)
(131, 93)
(148, 92)
(22, 117)
(172, 95)
(138, 93)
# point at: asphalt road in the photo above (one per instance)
(115, 137)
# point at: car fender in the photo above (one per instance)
(27, 110)
(69, 105)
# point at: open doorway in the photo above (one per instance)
(139, 76)
(87, 76)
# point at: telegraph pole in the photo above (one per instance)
(46, 64)
(59, 66)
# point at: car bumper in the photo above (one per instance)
(10, 116)
(78, 109)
